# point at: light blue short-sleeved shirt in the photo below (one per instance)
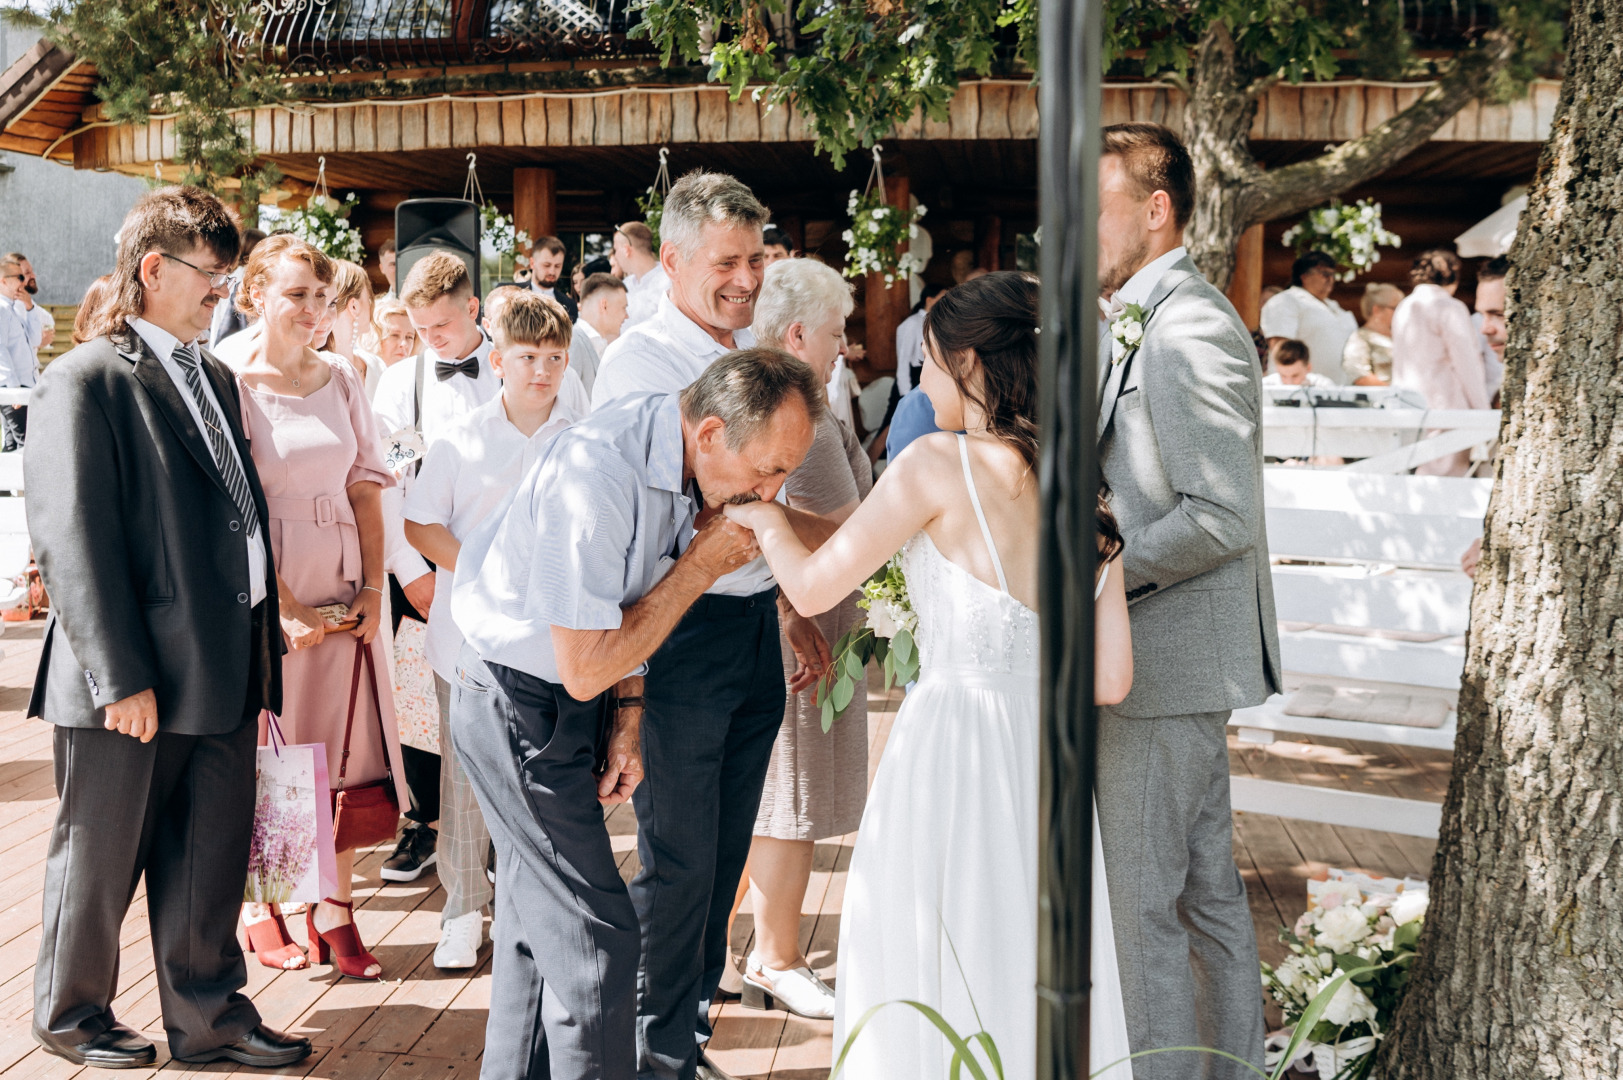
(596, 523)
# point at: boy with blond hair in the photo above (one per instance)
(469, 470)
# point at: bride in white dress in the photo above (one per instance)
(941, 902)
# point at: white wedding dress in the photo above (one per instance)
(941, 902)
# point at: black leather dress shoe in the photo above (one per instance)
(118, 1047)
(262, 1047)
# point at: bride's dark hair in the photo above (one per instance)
(991, 323)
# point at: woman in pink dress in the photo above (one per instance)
(315, 443)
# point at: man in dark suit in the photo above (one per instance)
(164, 644)
(547, 274)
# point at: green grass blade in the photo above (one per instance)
(1180, 1049)
(960, 1047)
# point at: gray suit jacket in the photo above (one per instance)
(1180, 444)
(139, 545)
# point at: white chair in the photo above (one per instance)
(1370, 600)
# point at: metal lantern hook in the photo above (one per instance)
(662, 179)
(471, 190)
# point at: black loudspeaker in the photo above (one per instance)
(424, 226)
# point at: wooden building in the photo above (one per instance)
(566, 115)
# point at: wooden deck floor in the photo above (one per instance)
(423, 1024)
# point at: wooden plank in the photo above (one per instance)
(963, 114)
(1523, 120)
(711, 120)
(535, 122)
(392, 135)
(344, 130)
(488, 123)
(557, 121)
(1546, 96)
(413, 126)
(303, 133)
(606, 121)
(464, 123)
(1318, 112)
(743, 120)
(324, 131)
(1259, 121)
(1380, 105)
(634, 118)
(582, 122)
(1023, 118)
(1285, 113)
(1407, 816)
(438, 129)
(281, 131)
(659, 119)
(366, 128)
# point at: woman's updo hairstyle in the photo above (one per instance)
(991, 323)
(262, 264)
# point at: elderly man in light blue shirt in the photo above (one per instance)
(563, 595)
(701, 710)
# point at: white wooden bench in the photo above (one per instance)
(1369, 596)
(1391, 436)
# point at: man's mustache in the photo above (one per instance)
(742, 499)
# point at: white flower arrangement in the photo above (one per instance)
(887, 636)
(1127, 331)
(878, 233)
(1355, 926)
(502, 247)
(324, 223)
(1348, 234)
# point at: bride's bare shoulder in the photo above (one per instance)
(928, 453)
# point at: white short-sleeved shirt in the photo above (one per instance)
(1322, 325)
(471, 468)
(643, 294)
(662, 356)
(590, 529)
(1273, 378)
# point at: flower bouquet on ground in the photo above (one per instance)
(1354, 924)
(887, 636)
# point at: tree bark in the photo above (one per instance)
(1232, 193)
(1520, 972)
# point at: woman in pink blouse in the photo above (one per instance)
(315, 443)
(1435, 350)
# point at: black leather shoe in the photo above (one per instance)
(262, 1047)
(118, 1047)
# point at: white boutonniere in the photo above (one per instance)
(1127, 331)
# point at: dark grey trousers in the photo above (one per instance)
(715, 695)
(180, 809)
(1184, 938)
(564, 937)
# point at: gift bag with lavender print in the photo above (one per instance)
(291, 857)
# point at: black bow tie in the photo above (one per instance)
(468, 367)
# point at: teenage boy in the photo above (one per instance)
(1292, 365)
(467, 473)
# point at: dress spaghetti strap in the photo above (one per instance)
(980, 515)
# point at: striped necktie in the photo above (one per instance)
(219, 443)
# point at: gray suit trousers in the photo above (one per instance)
(1184, 938)
(181, 809)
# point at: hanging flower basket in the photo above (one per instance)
(652, 204)
(323, 221)
(880, 232)
(1348, 234)
(500, 242)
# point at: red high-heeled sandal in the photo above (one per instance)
(342, 944)
(274, 946)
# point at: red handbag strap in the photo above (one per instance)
(362, 650)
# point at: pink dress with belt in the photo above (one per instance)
(308, 451)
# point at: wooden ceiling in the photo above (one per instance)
(42, 97)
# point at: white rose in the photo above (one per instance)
(1409, 906)
(1298, 973)
(882, 619)
(1339, 929)
(1131, 332)
(1349, 1005)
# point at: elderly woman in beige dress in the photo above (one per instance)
(817, 783)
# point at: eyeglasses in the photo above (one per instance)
(216, 281)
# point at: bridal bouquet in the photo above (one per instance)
(1354, 924)
(887, 636)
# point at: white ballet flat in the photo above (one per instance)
(797, 990)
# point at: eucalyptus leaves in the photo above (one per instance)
(878, 235)
(887, 636)
(1348, 234)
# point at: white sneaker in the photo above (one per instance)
(797, 990)
(460, 939)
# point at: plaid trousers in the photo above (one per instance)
(464, 841)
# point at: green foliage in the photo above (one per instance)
(652, 206)
(1348, 234)
(174, 58)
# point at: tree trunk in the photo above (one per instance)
(1232, 193)
(1520, 972)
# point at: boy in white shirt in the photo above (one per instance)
(466, 474)
(1291, 366)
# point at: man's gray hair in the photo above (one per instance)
(702, 197)
(805, 291)
(745, 389)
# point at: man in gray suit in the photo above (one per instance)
(1180, 445)
(148, 521)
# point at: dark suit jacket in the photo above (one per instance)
(140, 547)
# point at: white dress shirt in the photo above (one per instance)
(1322, 325)
(1141, 286)
(662, 356)
(909, 350)
(643, 294)
(443, 404)
(163, 345)
(35, 320)
(18, 364)
(472, 468)
(586, 347)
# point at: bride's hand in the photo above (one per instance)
(753, 516)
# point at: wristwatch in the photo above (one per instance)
(631, 701)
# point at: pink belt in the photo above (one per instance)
(326, 511)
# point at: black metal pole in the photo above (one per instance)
(1068, 154)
